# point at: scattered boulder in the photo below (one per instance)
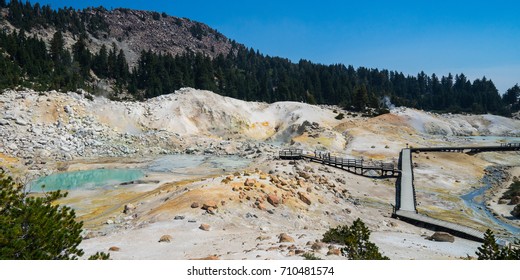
(166, 238)
(334, 251)
(273, 200)
(204, 227)
(195, 205)
(442, 237)
(304, 175)
(249, 182)
(263, 237)
(304, 197)
(317, 246)
(114, 249)
(249, 216)
(179, 217)
(90, 235)
(20, 122)
(210, 204)
(129, 208)
(284, 237)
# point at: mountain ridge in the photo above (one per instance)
(133, 31)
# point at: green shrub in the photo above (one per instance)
(356, 241)
(310, 256)
(514, 190)
(491, 251)
(35, 227)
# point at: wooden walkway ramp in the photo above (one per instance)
(357, 166)
(405, 196)
(424, 221)
(406, 201)
(504, 147)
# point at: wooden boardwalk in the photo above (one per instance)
(405, 197)
(439, 225)
(406, 201)
(504, 147)
(357, 166)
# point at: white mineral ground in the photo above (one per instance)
(45, 132)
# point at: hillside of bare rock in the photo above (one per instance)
(134, 31)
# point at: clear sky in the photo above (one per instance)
(478, 38)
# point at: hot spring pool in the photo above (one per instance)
(190, 165)
(87, 179)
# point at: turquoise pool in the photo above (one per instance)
(87, 179)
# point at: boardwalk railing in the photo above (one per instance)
(406, 200)
(291, 153)
(503, 147)
(357, 166)
(512, 145)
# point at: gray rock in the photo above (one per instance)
(129, 208)
(442, 237)
(4, 122)
(20, 122)
(249, 216)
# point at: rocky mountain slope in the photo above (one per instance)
(134, 31)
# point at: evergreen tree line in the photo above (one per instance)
(249, 75)
(243, 73)
(28, 62)
(27, 16)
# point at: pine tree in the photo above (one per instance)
(356, 241)
(360, 98)
(100, 65)
(512, 97)
(34, 227)
(489, 249)
(56, 48)
(82, 55)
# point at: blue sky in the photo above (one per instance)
(476, 38)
